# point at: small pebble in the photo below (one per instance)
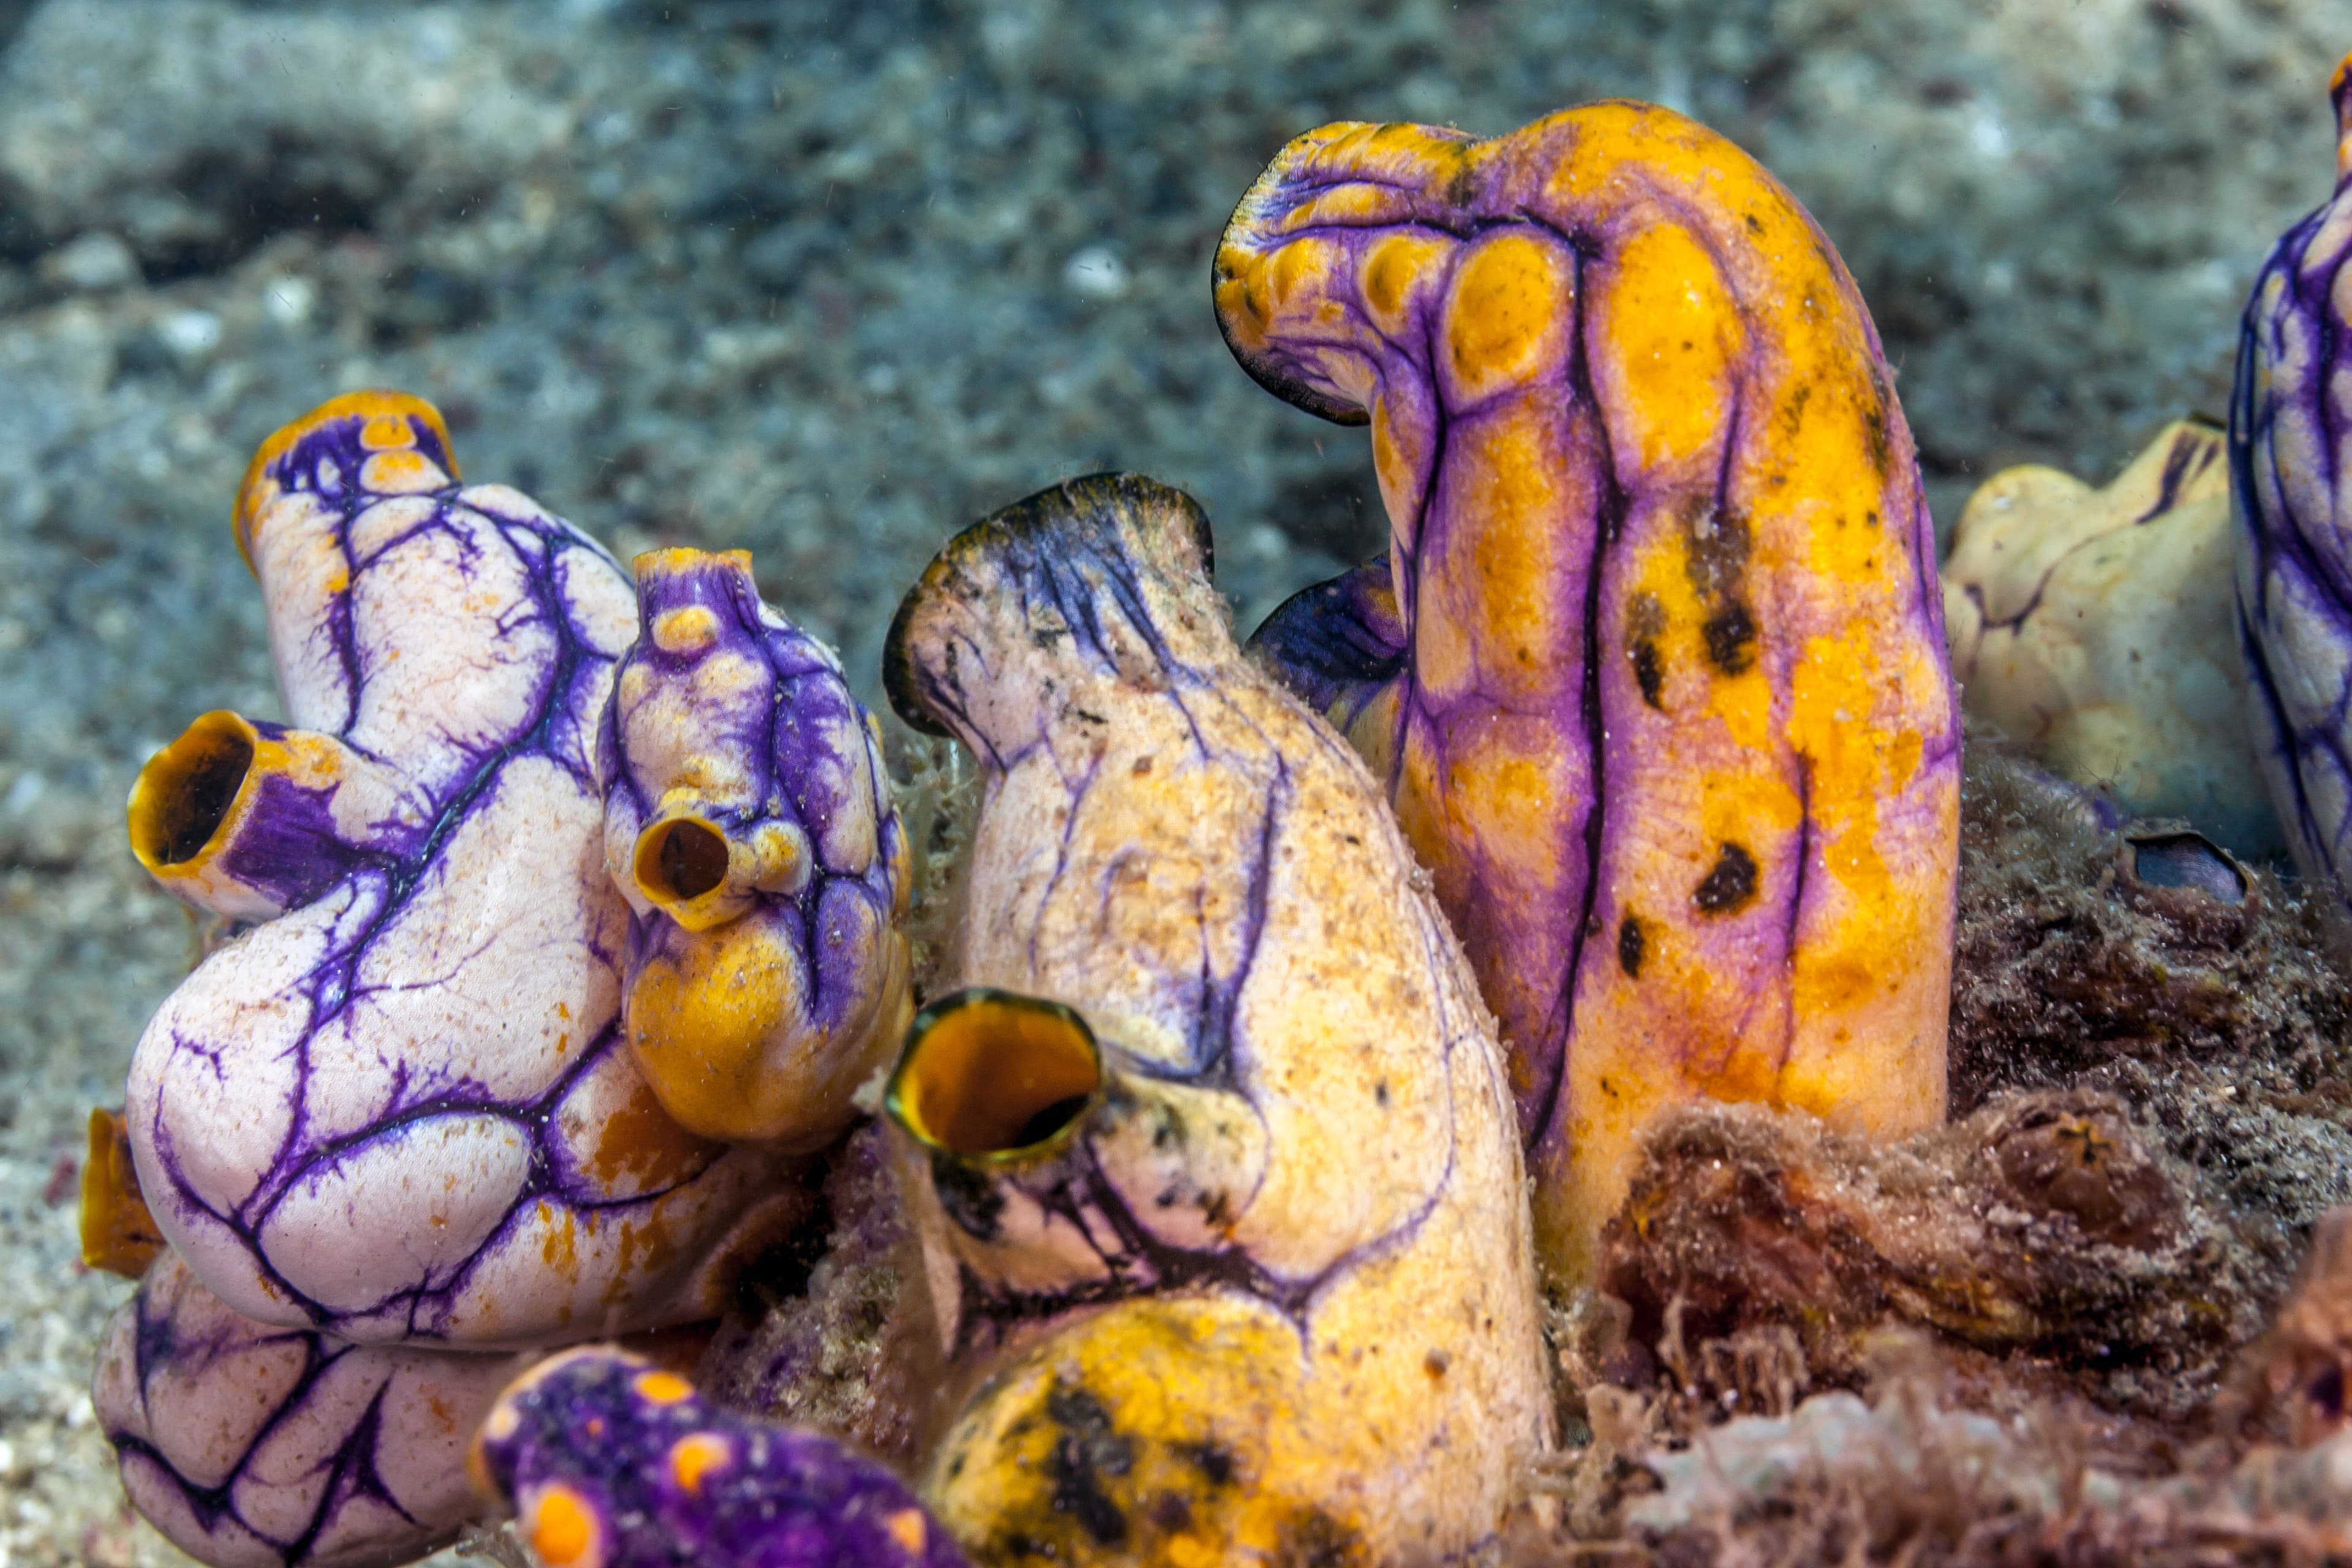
(190, 334)
(1098, 273)
(91, 264)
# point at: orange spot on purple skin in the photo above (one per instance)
(695, 1455)
(906, 1528)
(562, 1530)
(664, 1388)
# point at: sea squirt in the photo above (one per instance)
(2288, 449)
(398, 1107)
(1653, 670)
(748, 820)
(1212, 1149)
(607, 1461)
(391, 1120)
(2097, 629)
(254, 1445)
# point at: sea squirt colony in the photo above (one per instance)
(393, 1123)
(562, 925)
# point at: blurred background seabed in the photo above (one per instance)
(827, 281)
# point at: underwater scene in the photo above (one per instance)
(1327, 786)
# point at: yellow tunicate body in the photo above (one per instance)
(1661, 697)
(1266, 1294)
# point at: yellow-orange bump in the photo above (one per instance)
(405, 472)
(381, 410)
(695, 1455)
(664, 1388)
(118, 1234)
(906, 1528)
(563, 1530)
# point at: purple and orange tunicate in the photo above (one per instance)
(392, 1123)
(398, 1107)
(1654, 671)
(608, 1461)
(748, 821)
(1212, 1150)
(2289, 450)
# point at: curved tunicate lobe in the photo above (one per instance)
(2288, 448)
(1653, 670)
(748, 820)
(1213, 1157)
(607, 1461)
(256, 1447)
(399, 1108)
(2098, 629)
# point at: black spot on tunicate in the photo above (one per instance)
(1215, 1463)
(1875, 421)
(1645, 619)
(968, 1198)
(1649, 672)
(1313, 1538)
(1089, 1449)
(1731, 638)
(1629, 942)
(1730, 885)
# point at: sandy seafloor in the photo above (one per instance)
(827, 281)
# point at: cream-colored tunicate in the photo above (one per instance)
(1214, 1149)
(2095, 628)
